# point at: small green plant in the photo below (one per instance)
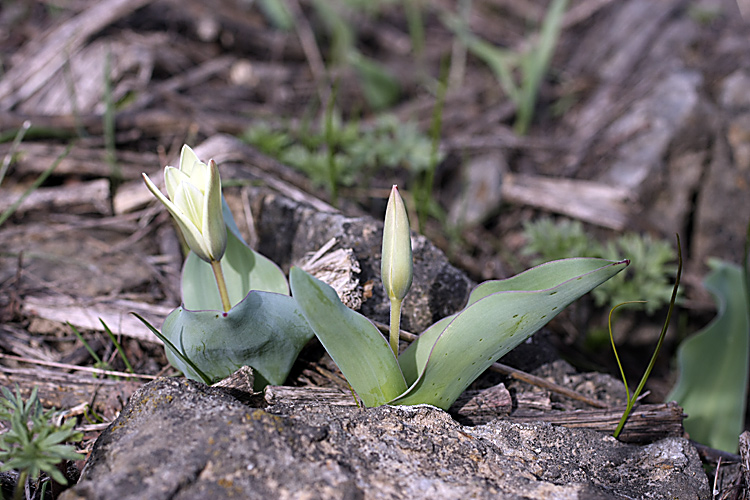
(33, 443)
(448, 356)
(350, 150)
(651, 260)
(531, 65)
(255, 322)
(631, 400)
(236, 309)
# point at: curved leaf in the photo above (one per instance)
(265, 331)
(356, 346)
(543, 276)
(244, 270)
(713, 363)
(502, 314)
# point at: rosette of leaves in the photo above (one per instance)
(448, 356)
(33, 443)
(264, 328)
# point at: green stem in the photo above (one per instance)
(395, 324)
(219, 274)
(18, 493)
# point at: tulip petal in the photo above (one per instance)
(172, 180)
(189, 200)
(195, 169)
(190, 231)
(188, 160)
(396, 261)
(214, 228)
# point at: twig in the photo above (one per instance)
(66, 366)
(310, 48)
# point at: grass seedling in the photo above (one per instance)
(33, 443)
(98, 363)
(115, 174)
(632, 399)
(118, 346)
(531, 65)
(13, 148)
(38, 182)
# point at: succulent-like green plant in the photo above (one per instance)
(448, 356)
(33, 443)
(652, 260)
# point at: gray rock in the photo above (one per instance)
(288, 230)
(179, 439)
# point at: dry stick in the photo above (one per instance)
(76, 367)
(516, 374)
(310, 48)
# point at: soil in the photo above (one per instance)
(640, 125)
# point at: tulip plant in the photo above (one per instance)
(448, 356)
(236, 309)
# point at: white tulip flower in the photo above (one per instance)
(194, 201)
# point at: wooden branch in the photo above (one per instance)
(85, 315)
(40, 60)
(646, 423)
(588, 201)
(85, 197)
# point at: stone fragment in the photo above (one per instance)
(178, 439)
(288, 230)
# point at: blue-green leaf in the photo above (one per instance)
(500, 315)
(713, 365)
(265, 331)
(356, 346)
(244, 270)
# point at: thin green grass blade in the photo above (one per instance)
(92, 352)
(171, 347)
(35, 185)
(359, 350)
(496, 323)
(120, 350)
(647, 373)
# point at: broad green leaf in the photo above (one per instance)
(244, 270)
(356, 346)
(713, 365)
(502, 314)
(265, 331)
(541, 277)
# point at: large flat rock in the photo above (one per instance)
(179, 439)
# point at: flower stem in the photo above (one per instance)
(219, 274)
(395, 324)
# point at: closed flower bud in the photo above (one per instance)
(396, 264)
(194, 201)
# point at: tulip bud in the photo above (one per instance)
(396, 264)
(195, 202)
